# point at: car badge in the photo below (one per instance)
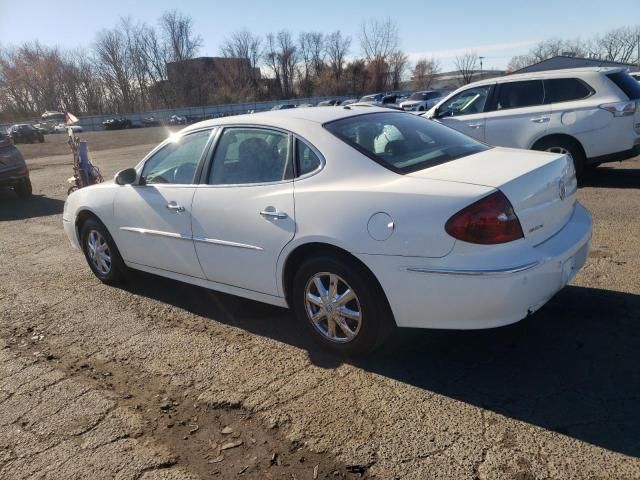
(562, 190)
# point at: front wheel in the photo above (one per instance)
(340, 304)
(101, 253)
(23, 189)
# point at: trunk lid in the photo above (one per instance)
(541, 186)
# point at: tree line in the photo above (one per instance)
(125, 68)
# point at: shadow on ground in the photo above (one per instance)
(610, 177)
(14, 208)
(573, 367)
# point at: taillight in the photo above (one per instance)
(620, 109)
(488, 221)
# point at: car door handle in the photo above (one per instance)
(273, 214)
(173, 206)
(540, 119)
(475, 125)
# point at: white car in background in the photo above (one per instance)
(589, 114)
(420, 101)
(359, 220)
(63, 128)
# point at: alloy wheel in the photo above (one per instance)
(333, 307)
(98, 252)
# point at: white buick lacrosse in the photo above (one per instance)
(359, 220)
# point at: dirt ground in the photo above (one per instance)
(141, 381)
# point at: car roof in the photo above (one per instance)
(565, 72)
(285, 118)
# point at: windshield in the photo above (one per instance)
(403, 142)
(419, 96)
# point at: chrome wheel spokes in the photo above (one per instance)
(98, 252)
(333, 307)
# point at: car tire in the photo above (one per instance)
(109, 268)
(23, 189)
(374, 321)
(565, 145)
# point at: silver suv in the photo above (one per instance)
(590, 114)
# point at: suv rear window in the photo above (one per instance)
(626, 83)
(402, 142)
(565, 90)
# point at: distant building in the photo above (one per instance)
(562, 62)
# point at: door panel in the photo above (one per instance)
(520, 117)
(235, 243)
(150, 233)
(465, 111)
(472, 125)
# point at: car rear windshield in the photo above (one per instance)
(627, 84)
(403, 142)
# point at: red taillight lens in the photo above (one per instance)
(488, 221)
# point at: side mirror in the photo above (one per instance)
(126, 176)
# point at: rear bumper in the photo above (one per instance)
(617, 156)
(435, 296)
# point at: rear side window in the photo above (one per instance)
(565, 89)
(627, 84)
(520, 94)
(403, 142)
(306, 160)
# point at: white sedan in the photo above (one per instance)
(359, 219)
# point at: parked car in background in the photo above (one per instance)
(421, 101)
(348, 101)
(177, 120)
(329, 103)
(25, 133)
(500, 231)
(283, 106)
(117, 123)
(635, 75)
(305, 105)
(151, 122)
(13, 169)
(374, 99)
(63, 128)
(589, 114)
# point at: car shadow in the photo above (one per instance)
(14, 208)
(609, 177)
(573, 367)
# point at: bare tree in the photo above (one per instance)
(244, 45)
(467, 64)
(178, 31)
(281, 56)
(114, 66)
(378, 40)
(398, 63)
(337, 48)
(424, 73)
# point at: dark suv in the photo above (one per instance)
(25, 133)
(13, 169)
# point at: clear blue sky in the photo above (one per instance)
(496, 29)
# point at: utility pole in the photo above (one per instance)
(481, 59)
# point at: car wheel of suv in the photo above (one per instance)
(101, 253)
(23, 189)
(341, 306)
(565, 147)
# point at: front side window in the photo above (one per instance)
(520, 94)
(177, 161)
(251, 155)
(403, 142)
(467, 102)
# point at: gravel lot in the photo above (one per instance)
(140, 381)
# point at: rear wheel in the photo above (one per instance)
(23, 189)
(341, 306)
(101, 253)
(566, 147)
